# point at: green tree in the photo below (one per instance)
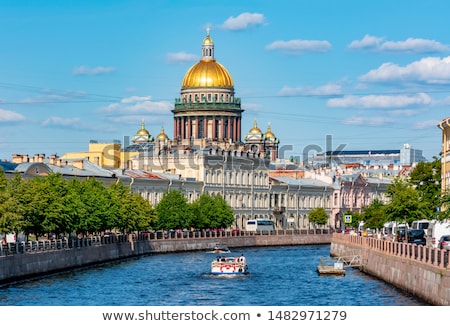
(318, 216)
(12, 218)
(97, 213)
(134, 212)
(373, 215)
(405, 204)
(426, 177)
(212, 212)
(174, 212)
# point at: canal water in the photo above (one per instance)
(279, 276)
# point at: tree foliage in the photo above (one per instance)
(174, 212)
(405, 204)
(426, 178)
(318, 216)
(374, 215)
(212, 212)
(53, 205)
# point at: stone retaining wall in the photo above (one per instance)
(420, 271)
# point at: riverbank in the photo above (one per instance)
(421, 271)
(34, 260)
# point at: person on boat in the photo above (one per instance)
(242, 258)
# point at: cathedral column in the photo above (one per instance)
(183, 127)
(205, 127)
(175, 129)
(229, 128)
(221, 128)
(213, 127)
(238, 128)
(189, 128)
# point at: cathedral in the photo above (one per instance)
(207, 120)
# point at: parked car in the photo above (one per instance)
(444, 242)
(414, 236)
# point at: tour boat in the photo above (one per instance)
(221, 249)
(227, 265)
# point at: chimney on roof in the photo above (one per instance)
(79, 164)
(52, 159)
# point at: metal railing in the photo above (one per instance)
(29, 247)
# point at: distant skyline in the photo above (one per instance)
(372, 75)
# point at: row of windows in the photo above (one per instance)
(235, 178)
(209, 97)
(244, 200)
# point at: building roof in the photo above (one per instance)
(7, 166)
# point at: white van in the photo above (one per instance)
(421, 225)
(439, 229)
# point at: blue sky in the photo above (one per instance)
(370, 74)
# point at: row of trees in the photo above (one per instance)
(53, 205)
(412, 198)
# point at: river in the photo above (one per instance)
(279, 276)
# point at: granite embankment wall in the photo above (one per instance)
(421, 271)
(35, 261)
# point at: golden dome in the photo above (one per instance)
(207, 40)
(255, 129)
(162, 135)
(143, 131)
(207, 72)
(269, 133)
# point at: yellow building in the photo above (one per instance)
(444, 125)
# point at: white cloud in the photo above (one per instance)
(243, 21)
(367, 121)
(324, 90)
(10, 116)
(410, 45)
(426, 124)
(415, 45)
(430, 70)
(368, 42)
(180, 57)
(84, 70)
(137, 105)
(135, 99)
(58, 121)
(300, 46)
(253, 107)
(380, 101)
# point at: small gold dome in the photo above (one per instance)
(143, 131)
(269, 133)
(207, 40)
(207, 74)
(162, 135)
(255, 129)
